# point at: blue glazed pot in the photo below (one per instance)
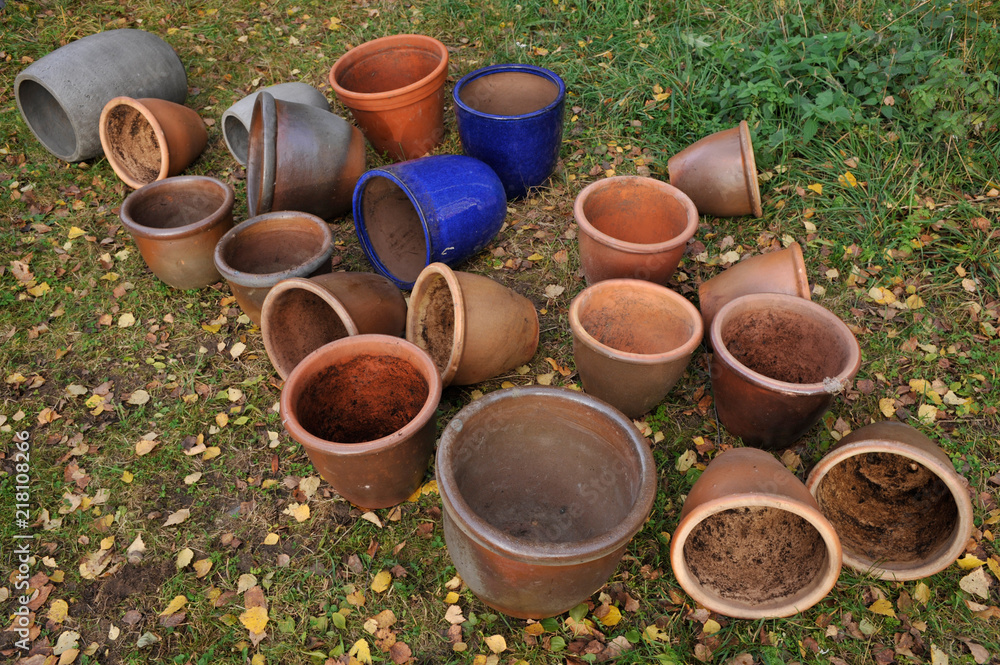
(511, 117)
(444, 208)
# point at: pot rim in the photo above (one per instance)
(830, 385)
(679, 302)
(220, 214)
(551, 554)
(541, 72)
(161, 140)
(417, 296)
(633, 247)
(345, 347)
(750, 169)
(262, 173)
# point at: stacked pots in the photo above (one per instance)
(236, 119)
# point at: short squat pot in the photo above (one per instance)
(61, 95)
(262, 251)
(719, 173)
(301, 158)
(542, 489)
(472, 327)
(632, 341)
(150, 139)
(633, 227)
(236, 119)
(394, 87)
(444, 209)
(176, 224)
(511, 117)
(300, 315)
(751, 542)
(901, 510)
(364, 408)
(778, 361)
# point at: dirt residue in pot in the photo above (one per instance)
(436, 327)
(133, 143)
(394, 228)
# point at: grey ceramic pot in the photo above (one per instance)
(236, 119)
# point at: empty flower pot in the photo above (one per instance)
(778, 361)
(472, 327)
(444, 209)
(150, 139)
(300, 315)
(61, 96)
(542, 489)
(176, 224)
(511, 117)
(236, 119)
(364, 409)
(719, 173)
(262, 251)
(633, 227)
(751, 542)
(632, 341)
(394, 87)
(901, 510)
(301, 158)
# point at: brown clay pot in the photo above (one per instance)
(541, 489)
(472, 327)
(632, 341)
(719, 173)
(633, 227)
(262, 251)
(782, 271)
(150, 139)
(777, 363)
(901, 510)
(176, 224)
(300, 315)
(751, 542)
(394, 87)
(364, 408)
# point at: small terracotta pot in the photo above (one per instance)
(751, 542)
(633, 227)
(632, 341)
(394, 87)
(541, 489)
(300, 315)
(262, 251)
(364, 408)
(782, 271)
(236, 119)
(472, 327)
(176, 224)
(150, 139)
(777, 363)
(719, 173)
(901, 510)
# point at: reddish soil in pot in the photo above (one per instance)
(614, 210)
(437, 334)
(394, 228)
(133, 143)
(626, 329)
(307, 330)
(509, 93)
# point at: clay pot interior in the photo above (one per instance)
(509, 93)
(271, 247)
(134, 143)
(326, 323)
(649, 326)
(173, 212)
(387, 70)
(437, 330)
(394, 228)
(612, 211)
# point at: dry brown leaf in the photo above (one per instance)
(246, 582)
(202, 567)
(184, 557)
(177, 517)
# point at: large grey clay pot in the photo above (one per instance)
(236, 119)
(61, 96)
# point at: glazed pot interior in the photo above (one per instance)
(299, 322)
(636, 212)
(635, 321)
(133, 144)
(272, 246)
(509, 93)
(435, 332)
(387, 69)
(171, 207)
(394, 228)
(47, 117)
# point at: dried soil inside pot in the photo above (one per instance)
(389, 69)
(755, 554)
(888, 507)
(509, 93)
(628, 326)
(363, 399)
(170, 212)
(133, 143)
(300, 323)
(437, 323)
(271, 248)
(394, 229)
(614, 211)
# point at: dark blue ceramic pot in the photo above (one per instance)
(511, 117)
(444, 208)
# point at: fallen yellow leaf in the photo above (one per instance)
(883, 607)
(175, 605)
(300, 511)
(969, 561)
(887, 405)
(75, 232)
(58, 610)
(145, 447)
(184, 557)
(271, 539)
(381, 581)
(361, 651)
(127, 477)
(614, 615)
(201, 567)
(254, 619)
(847, 179)
(711, 627)
(496, 643)
(816, 187)
(451, 598)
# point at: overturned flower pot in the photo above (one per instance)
(236, 119)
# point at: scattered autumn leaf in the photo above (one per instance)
(496, 643)
(381, 581)
(184, 557)
(177, 517)
(254, 619)
(201, 567)
(884, 607)
(175, 605)
(271, 539)
(300, 511)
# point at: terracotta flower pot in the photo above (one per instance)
(778, 361)
(751, 542)
(632, 341)
(901, 510)
(719, 173)
(300, 315)
(633, 227)
(394, 87)
(782, 271)
(472, 327)
(542, 489)
(176, 224)
(301, 158)
(262, 251)
(61, 96)
(364, 408)
(236, 119)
